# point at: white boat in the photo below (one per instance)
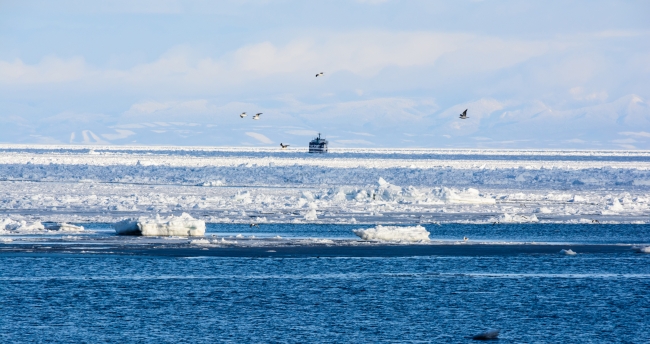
(318, 145)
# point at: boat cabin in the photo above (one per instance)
(318, 145)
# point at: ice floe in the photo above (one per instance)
(514, 218)
(311, 215)
(184, 225)
(568, 252)
(20, 226)
(469, 196)
(10, 226)
(393, 233)
(64, 227)
(641, 249)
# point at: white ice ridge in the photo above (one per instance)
(568, 252)
(393, 233)
(184, 225)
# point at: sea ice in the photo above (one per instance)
(184, 225)
(641, 249)
(615, 206)
(200, 242)
(514, 218)
(311, 215)
(568, 252)
(64, 227)
(469, 195)
(393, 233)
(20, 226)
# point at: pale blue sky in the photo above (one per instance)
(539, 74)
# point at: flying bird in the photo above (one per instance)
(465, 238)
(464, 115)
(321, 73)
(257, 116)
(243, 114)
(283, 146)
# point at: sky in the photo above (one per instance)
(532, 74)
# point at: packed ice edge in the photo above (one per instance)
(386, 187)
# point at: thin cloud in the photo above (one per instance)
(259, 137)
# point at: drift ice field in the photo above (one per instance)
(347, 186)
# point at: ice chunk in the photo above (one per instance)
(393, 233)
(64, 227)
(307, 195)
(20, 226)
(311, 215)
(568, 252)
(212, 183)
(184, 225)
(577, 199)
(543, 210)
(471, 196)
(615, 206)
(244, 197)
(127, 227)
(641, 249)
(200, 242)
(514, 218)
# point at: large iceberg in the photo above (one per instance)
(184, 225)
(393, 233)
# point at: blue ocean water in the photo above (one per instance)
(521, 232)
(516, 232)
(534, 298)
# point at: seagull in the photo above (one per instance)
(257, 116)
(283, 146)
(464, 115)
(465, 238)
(243, 114)
(321, 73)
(254, 225)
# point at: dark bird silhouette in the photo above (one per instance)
(283, 146)
(254, 225)
(257, 116)
(464, 115)
(321, 73)
(243, 114)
